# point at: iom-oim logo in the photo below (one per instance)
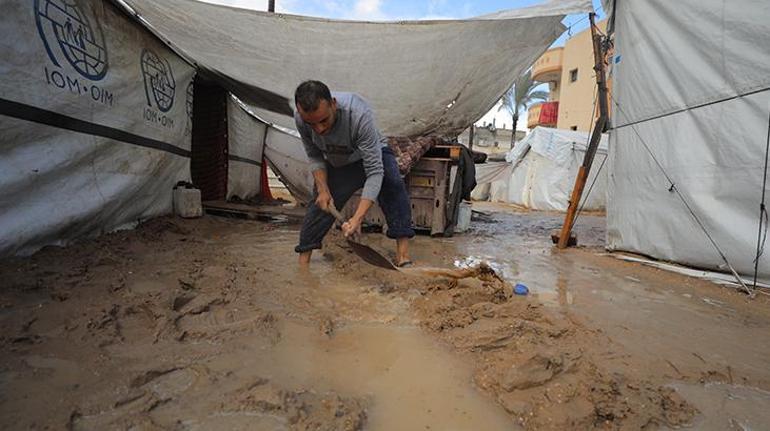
(159, 84)
(67, 31)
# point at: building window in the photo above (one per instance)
(573, 128)
(573, 75)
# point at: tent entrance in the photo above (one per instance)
(208, 164)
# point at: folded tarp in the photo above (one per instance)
(421, 77)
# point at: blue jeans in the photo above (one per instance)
(346, 180)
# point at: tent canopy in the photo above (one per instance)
(421, 77)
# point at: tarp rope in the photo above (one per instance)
(675, 189)
(762, 210)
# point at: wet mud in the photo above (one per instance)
(209, 324)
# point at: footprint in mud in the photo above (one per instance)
(170, 383)
(301, 409)
(204, 317)
(146, 392)
(61, 372)
(105, 326)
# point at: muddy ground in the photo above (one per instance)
(208, 324)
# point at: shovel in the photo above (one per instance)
(373, 257)
(368, 254)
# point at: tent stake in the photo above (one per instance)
(599, 128)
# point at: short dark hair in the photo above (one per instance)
(310, 93)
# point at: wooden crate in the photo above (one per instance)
(428, 187)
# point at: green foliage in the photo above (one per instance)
(521, 95)
(518, 98)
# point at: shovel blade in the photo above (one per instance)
(371, 256)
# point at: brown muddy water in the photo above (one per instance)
(208, 324)
(410, 380)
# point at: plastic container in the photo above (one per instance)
(464, 217)
(187, 202)
(520, 289)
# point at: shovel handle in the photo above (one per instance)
(333, 211)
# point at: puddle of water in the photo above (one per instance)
(237, 422)
(410, 380)
(727, 407)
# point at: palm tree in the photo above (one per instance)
(518, 98)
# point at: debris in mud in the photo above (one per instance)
(326, 326)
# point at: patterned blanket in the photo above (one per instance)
(409, 150)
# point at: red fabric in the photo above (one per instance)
(549, 113)
(265, 192)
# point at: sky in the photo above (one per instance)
(394, 10)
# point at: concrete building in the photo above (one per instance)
(569, 72)
(490, 139)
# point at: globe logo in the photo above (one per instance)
(158, 80)
(189, 103)
(63, 23)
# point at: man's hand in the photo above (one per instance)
(323, 200)
(351, 228)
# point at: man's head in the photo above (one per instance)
(316, 106)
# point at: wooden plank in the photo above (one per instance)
(254, 211)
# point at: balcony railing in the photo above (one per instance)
(548, 67)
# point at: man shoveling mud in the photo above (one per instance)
(347, 153)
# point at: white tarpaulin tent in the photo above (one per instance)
(691, 90)
(543, 168)
(94, 124)
(245, 138)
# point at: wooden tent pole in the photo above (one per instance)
(599, 128)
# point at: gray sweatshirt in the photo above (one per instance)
(353, 137)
